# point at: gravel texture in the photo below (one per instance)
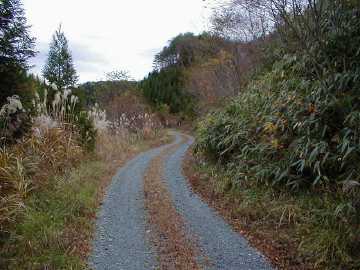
(225, 248)
(120, 241)
(175, 248)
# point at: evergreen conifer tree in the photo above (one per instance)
(59, 68)
(16, 47)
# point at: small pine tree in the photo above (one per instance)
(16, 47)
(59, 68)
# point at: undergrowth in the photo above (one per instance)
(52, 178)
(50, 224)
(56, 221)
(294, 131)
(303, 230)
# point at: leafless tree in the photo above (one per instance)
(118, 75)
(247, 20)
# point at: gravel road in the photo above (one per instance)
(121, 240)
(224, 248)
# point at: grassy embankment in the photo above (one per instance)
(281, 159)
(56, 223)
(52, 186)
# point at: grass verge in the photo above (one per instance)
(293, 230)
(56, 227)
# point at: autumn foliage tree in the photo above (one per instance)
(184, 66)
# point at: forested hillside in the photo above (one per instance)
(194, 72)
(287, 145)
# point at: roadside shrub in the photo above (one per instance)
(87, 131)
(14, 121)
(26, 167)
(14, 186)
(47, 145)
(64, 110)
(301, 124)
(303, 133)
(297, 127)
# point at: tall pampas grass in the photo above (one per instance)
(51, 148)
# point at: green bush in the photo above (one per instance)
(14, 120)
(299, 122)
(297, 128)
(299, 131)
(87, 131)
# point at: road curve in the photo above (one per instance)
(224, 248)
(121, 240)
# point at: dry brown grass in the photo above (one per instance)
(176, 250)
(270, 235)
(48, 205)
(13, 188)
(114, 150)
(50, 187)
(27, 166)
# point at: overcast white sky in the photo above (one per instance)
(113, 34)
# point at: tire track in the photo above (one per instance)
(120, 241)
(225, 248)
(151, 219)
(175, 249)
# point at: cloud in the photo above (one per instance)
(122, 34)
(38, 61)
(150, 53)
(83, 53)
(85, 60)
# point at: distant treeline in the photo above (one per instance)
(199, 69)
